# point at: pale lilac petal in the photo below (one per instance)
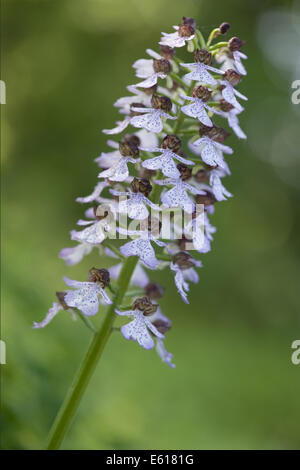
(95, 194)
(137, 331)
(142, 248)
(150, 121)
(239, 66)
(75, 254)
(56, 307)
(121, 125)
(200, 74)
(150, 81)
(196, 110)
(219, 191)
(164, 354)
(93, 235)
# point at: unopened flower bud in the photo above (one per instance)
(182, 242)
(61, 298)
(161, 102)
(101, 211)
(224, 27)
(149, 91)
(132, 139)
(99, 275)
(216, 133)
(183, 260)
(154, 290)
(235, 43)
(232, 77)
(167, 52)
(161, 325)
(189, 21)
(225, 106)
(202, 55)
(171, 142)
(202, 176)
(187, 28)
(146, 173)
(161, 65)
(128, 149)
(185, 171)
(141, 185)
(202, 93)
(136, 105)
(206, 199)
(145, 305)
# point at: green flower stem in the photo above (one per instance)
(90, 361)
(215, 32)
(201, 39)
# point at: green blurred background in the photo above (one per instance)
(64, 63)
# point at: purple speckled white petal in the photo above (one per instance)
(141, 247)
(94, 234)
(74, 255)
(196, 110)
(121, 125)
(200, 74)
(119, 171)
(150, 121)
(164, 354)
(95, 194)
(219, 191)
(56, 307)
(180, 283)
(239, 66)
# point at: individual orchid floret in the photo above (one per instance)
(183, 265)
(201, 67)
(74, 255)
(95, 195)
(152, 69)
(151, 119)
(231, 79)
(85, 295)
(135, 204)
(231, 57)
(209, 146)
(184, 32)
(53, 311)
(98, 227)
(231, 114)
(138, 96)
(178, 195)
(119, 170)
(219, 191)
(141, 246)
(165, 162)
(139, 329)
(196, 110)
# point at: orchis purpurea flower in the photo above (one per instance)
(229, 93)
(165, 161)
(198, 107)
(151, 118)
(170, 158)
(183, 32)
(151, 69)
(136, 201)
(85, 295)
(201, 67)
(140, 327)
(230, 56)
(178, 195)
(183, 266)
